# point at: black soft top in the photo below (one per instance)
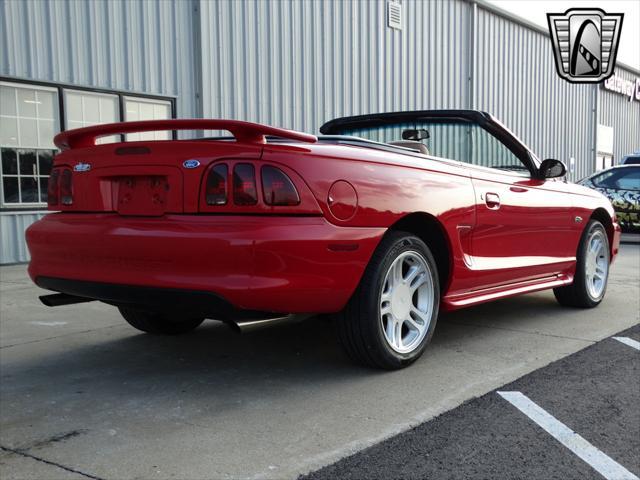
(339, 125)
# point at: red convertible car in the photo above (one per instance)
(383, 221)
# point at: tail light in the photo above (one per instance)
(277, 187)
(52, 188)
(244, 184)
(255, 187)
(216, 188)
(66, 187)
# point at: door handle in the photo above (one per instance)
(492, 200)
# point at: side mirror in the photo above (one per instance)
(415, 135)
(552, 168)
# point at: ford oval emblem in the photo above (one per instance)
(191, 164)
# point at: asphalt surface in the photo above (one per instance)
(84, 395)
(595, 392)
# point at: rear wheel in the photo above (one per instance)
(157, 323)
(592, 270)
(392, 315)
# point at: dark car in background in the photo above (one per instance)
(621, 185)
(633, 159)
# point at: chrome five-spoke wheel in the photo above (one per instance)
(596, 264)
(391, 317)
(406, 302)
(592, 269)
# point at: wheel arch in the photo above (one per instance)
(428, 229)
(600, 214)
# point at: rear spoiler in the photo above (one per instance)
(245, 132)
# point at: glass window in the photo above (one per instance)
(29, 119)
(83, 109)
(619, 179)
(147, 109)
(454, 140)
(24, 175)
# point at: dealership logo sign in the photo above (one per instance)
(628, 88)
(585, 43)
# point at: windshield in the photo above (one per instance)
(458, 140)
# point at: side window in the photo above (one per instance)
(630, 180)
(619, 179)
(488, 151)
(470, 143)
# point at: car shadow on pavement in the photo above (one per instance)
(120, 361)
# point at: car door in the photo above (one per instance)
(524, 230)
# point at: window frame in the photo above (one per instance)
(60, 89)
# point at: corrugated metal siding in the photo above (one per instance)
(515, 80)
(12, 227)
(142, 46)
(624, 116)
(297, 64)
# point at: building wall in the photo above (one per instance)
(143, 46)
(13, 248)
(297, 64)
(615, 110)
(515, 79)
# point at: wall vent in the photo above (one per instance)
(394, 15)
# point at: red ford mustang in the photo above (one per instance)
(383, 221)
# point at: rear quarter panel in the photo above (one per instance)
(390, 186)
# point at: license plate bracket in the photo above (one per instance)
(142, 195)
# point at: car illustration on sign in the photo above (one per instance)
(383, 221)
(585, 43)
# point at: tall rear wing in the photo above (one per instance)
(245, 132)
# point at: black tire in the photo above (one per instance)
(157, 323)
(577, 294)
(360, 326)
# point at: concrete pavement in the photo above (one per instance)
(82, 390)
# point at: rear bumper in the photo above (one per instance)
(226, 263)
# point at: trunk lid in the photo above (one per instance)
(145, 178)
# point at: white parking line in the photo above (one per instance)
(602, 463)
(628, 341)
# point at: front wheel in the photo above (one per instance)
(158, 323)
(392, 315)
(592, 270)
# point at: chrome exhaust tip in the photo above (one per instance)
(59, 299)
(252, 325)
